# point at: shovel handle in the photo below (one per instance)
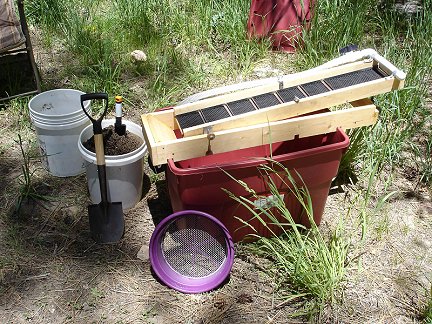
(98, 139)
(101, 168)
(97, 123)
(100, 150)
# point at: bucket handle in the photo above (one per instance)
(97, 123)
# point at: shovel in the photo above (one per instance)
(106, 218)
(119, 128)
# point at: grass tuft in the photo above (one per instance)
(426, 313)
(308, 268)
(47, 13)
(27, 190)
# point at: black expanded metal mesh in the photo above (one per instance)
(353, 78)
(266, 100)
(314, 88)
(194, 247)
(240, 107)
(214, 113)
(189, 119)
(289, 94)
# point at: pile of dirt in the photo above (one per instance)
(115, 144)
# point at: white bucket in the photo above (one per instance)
(59, 119)
(124, 172)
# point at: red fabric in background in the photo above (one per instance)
(281, 20)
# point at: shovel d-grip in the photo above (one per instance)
(97, 123)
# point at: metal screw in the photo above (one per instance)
(210, 137)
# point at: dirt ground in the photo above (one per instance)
(51, 271)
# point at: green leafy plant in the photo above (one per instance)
(96, 293)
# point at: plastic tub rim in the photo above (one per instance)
(189, 285)
(259, 160)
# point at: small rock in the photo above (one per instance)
(410, 7)
(143, 253)
(69, 213)
(244, 298)
(139, 56)
(266, 71)
(424, 243)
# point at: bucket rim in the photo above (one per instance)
(58, 116)
(60, 126)
(114, 160)
(57, 120)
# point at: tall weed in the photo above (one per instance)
(28, 189)
(308, 268)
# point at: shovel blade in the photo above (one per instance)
(106, 222)
(120, 129)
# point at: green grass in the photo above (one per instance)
(308, 268)
(422, 152)
(426, 312)
(184, 41)
(27, 188)
(402, 39)
(20, 118)
(335, 24)
(47, 13)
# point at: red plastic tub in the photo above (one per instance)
(197, 183)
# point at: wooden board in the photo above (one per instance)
(287, 81)
(303, 106)
(254, 135)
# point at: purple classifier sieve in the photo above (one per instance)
(191, 251)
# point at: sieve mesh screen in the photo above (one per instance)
(190, 119)
(266, 100)
(353, 78)
(194, 247)
(215, 113)
(241, 106)
(288, 94)
(314, 88)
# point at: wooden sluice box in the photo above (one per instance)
(293, 106)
